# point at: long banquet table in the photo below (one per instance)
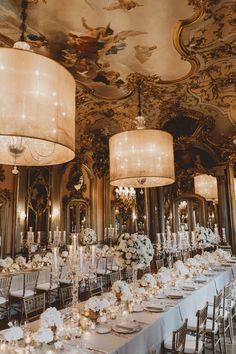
(159, 326)
(155, 326)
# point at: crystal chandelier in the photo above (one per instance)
(125, 193)
(141, 158)
(37, 107)
(206, 186)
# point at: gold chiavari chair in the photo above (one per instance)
(159, 264)
(5, 283)
(66, 296)
(49, 287)
(175, 344)
(212, 325)
(95, 286)
(28, 289)
(33, 307)
(195, 344)
(114, 277)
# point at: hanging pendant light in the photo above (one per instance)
(141, 158)
(37, 107)
(206, 186)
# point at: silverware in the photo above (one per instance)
(95, 350)
(141, 322)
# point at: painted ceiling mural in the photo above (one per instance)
(182, 51)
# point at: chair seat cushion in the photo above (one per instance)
(46, 286)
(192, 325)
(19, 293)
(2, 300)
(115, 268)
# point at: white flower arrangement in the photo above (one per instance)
(3, 264)
(50, 318)
(134, 251)
(138, 292)
(205, 237)
(13, 333)
(88, 236)
(43, 335)
(96, 304)
(21, 261)
(163, 276)
(180, 267)
(110, 297)
(148, 280)
(122, 288)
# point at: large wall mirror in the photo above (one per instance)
(189, 211)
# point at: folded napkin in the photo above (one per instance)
(128, 326)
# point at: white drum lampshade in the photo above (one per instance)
(37, 109)
(141, 158)
(206, 186)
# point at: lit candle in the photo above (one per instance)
(55, 258)
(74, 243)
(193, 238)
(64, 237)
(93, 255)
(158, 238)
(39, 238)
(81, 258)
(70, 249)
(30, 229)
(59, 236)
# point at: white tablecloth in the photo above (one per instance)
(156, 327)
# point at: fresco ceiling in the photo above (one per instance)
(182, 51)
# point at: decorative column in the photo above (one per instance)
(231, 204)
(226, 204)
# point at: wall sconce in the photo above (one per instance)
(21, 216)
(55, 213)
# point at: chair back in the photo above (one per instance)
(66, 296)
(216, 309)
(34, 306)
(114, 277)
(102, 265)
(159, 263)
(179, 338)
(5, 283)
(95, 286)
(109, 263)
(201, 325)
(227, 298)
(30, 281)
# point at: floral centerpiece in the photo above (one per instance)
(43, 335)
(52, 319)
(148, 281)
(122, 291)
(181, 268)
(88, 237)
(205, 237)
(94, 306)
(14, 333)
(134, 251)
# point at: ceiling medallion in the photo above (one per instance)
(143, 157)
(37, 107)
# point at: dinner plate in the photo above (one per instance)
(189, 288)
(231, 261)
(226, 264)
(137, 308)
(124, 329)
(175, 295)
(103, 329)
(200, 280)
(156, 309)
(160, 296)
